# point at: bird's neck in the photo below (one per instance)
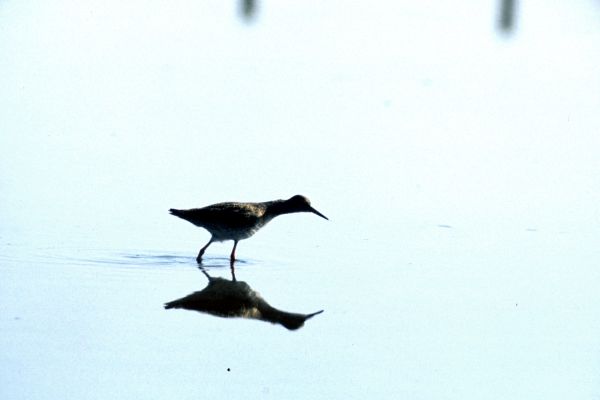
(276, 208)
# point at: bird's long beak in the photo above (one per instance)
(313, 314)
(312, 210)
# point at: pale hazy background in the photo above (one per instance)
(459, 167)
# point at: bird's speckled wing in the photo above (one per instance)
(229, 220)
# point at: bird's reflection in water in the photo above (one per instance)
(232, 298)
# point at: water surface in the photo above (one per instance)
(458, 169)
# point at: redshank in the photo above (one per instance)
(238, 221)
(231, 298)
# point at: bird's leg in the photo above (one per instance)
(201, 268)
(199, 258)
(232, 258)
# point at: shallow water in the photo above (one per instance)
(455, 314)
(456, 168)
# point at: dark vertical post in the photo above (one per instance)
(248, 9)
(506, 22)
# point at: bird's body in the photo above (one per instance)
(238, 221)
(227, 221)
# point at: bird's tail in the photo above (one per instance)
(177, 213)
(188, 215)
(173, 304)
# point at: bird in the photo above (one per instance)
(237, 221)
(232, 298)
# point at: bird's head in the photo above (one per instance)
(299, 203)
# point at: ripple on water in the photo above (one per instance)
(113, 258)
(100, 257)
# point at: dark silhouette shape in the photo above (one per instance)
(248, 8)
(506, 21)
(238, 221)
(232, 298)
